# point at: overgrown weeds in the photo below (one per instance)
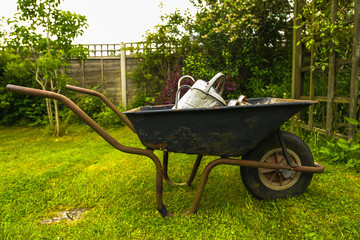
(337, 151)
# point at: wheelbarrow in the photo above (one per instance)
(273, 164)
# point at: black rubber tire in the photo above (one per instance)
(262, 184)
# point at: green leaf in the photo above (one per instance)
(352, 121)
(354, 146)
(343, 144)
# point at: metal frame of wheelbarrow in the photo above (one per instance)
(161, 170)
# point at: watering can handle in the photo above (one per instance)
(178, 94)
(183, 77)
(213, 80)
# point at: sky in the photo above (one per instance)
(113, 21)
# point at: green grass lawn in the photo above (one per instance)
(41, 175)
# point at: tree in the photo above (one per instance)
(320, 36)
(41, 31)
(249, 40)
(2, 33)
(162, 53)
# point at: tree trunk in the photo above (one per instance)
(57, 122)
(49, 111)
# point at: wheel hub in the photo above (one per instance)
(286, 173)
(279, 179)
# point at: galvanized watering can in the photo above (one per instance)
(201, 94)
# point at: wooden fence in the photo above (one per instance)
(305, 74)
(108, 67)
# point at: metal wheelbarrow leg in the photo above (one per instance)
(192, 174)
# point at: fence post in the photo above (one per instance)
(296, 75)
(312, 88)
(355, 66)
(123, 75)
(331, 78)
(297, 53)
(102, 73)
(83, 74)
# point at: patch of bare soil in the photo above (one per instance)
(69, 215)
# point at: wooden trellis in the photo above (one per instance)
(299, 69)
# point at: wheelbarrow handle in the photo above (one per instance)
(78, 111)
(97, 128)
(105, 100)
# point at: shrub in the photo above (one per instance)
(94, 107)
(18, 109)
(168, 94)
(342, 151)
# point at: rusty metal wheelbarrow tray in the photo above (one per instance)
(221, 131)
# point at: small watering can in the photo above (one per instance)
(201, 94)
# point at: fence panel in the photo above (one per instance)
(104, 68)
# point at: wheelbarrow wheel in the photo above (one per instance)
(273, 183)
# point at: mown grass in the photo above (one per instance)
(41, 175)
